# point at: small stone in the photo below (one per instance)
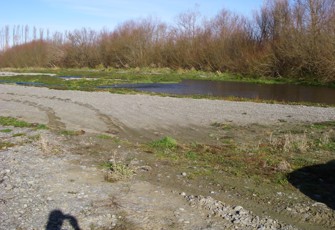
(184, 174)
(238, 208)
(236, 221)
(183, 194)
(319, 204)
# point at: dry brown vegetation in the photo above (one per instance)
(290, 39)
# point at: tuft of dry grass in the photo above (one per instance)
(116, 171)
(290, 142)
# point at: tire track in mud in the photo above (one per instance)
(54, 122)
(113, 126)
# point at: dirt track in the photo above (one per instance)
(105, 112)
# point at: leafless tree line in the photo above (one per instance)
(291, 39)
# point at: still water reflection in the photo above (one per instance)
(278, 92)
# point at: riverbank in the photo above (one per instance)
(166, 82)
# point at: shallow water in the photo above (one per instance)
(277, 92)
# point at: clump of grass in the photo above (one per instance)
(104, 136)
(290, 143)
(41, 126)
(324, 125)
(221, 125)
(166, 147)
(19, 134)
(11, 121)
(35, 137)
(72, 132)
(166, 143)
(6, 130)
(117, 171)
(192, 155)
(5, 145)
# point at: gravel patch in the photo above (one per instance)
(106, 111)
(237, 216)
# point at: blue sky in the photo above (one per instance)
(63, 15)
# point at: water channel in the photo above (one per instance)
(277, 92)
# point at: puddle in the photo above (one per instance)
(277, 92)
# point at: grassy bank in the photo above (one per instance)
(92, 78)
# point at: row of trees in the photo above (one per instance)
(285, 38)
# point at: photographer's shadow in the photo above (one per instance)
(57, 218)
(316, 182)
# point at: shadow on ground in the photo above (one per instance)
(57, 218)
(316, 182)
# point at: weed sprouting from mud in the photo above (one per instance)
(6, 145)
(164, 143)
(11, 121)
(72, 132)
(6, 130)
(116, 171)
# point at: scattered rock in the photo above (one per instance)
(237, 215)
